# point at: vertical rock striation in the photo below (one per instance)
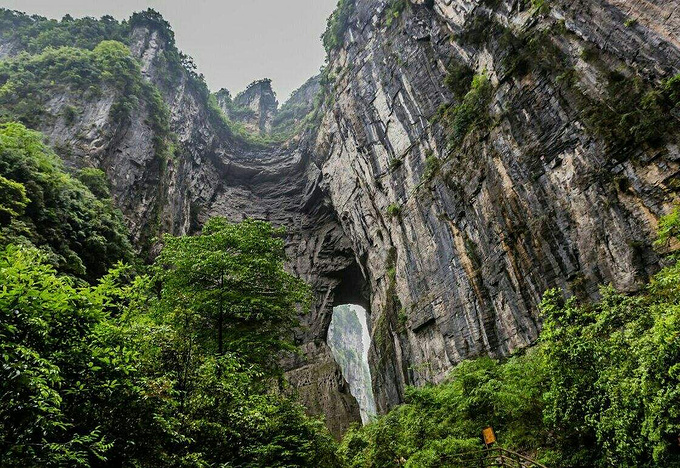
(464, 217)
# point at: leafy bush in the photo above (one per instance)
(437, 421)
(69, 381)
(13, 201)
(394, 210)
(614, 393)
(432, 166)
(633, 112)
(471, 113)
(395, 163)
(84, 234)
(394, 9)
(95, 180)
(459, 79)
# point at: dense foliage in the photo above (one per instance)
(34, 34)
(633, 112)
(136, 371)
(42, 205)
(601, 389)
(394, 9)
(70, 390)
(472, 112)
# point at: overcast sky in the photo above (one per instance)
(233, 42)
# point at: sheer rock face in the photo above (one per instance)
(260, 99)
(534, 199)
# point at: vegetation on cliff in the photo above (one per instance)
(337, 25)
(79, 232)
(171, 365)
(600, 389)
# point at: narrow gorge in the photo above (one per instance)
(454, 160)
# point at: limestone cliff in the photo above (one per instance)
(463, 215)
(255, 107)
(459, 158)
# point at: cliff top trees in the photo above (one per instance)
(337, 25)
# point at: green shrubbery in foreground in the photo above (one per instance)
(602, 389)
(158, 370)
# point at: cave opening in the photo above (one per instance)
(349, 341)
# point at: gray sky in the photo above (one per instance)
(233, 42)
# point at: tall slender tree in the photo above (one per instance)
(228, 288)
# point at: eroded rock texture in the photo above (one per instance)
(255, 107)
(446, 229)
(535, 198)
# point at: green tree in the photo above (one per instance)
(70, 389)
(227, 308)
(46, 207)
(230, 290)
(95, 180)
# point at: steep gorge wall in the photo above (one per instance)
(459, 241)
(448, 246)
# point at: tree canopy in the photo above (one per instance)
(42, 205)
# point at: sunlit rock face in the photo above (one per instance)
(349, 341)
(448, 246)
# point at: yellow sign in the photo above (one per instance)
(489, 436)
